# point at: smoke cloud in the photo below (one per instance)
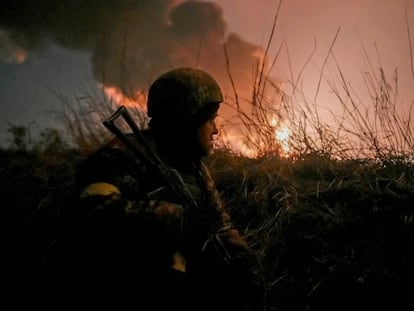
(132, 42)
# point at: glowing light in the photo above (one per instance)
(234, 142)
(282, 134)
(10, 51)
(20, 56)
(118, 97)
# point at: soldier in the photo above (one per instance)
(137, 242)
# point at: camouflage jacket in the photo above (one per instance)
(113, 176)
(131, 226)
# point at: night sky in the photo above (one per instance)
(53, 52)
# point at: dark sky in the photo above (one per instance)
(53, 52)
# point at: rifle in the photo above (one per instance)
(172, 178)
(175, 184)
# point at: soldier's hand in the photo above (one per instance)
(170, 213)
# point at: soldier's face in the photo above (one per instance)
(205, 135)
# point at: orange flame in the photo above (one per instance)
(116, 95)
(282, 134)
(230, 139)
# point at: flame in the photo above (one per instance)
(116, 95)
(282, 135)
(234, 141)
(229, 139)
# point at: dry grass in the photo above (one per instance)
(325, 230)
(332, 220)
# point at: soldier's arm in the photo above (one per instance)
(110, 184)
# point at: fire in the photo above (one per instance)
(282, 135)
(115, 95)
(235, 143)
(229, 139)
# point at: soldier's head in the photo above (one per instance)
(185, 101)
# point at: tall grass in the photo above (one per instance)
(331, 219)
(375, 127)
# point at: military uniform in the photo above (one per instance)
(132, 241)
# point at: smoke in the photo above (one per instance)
(132, 42)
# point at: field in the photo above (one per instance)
(328, 207)
(331, 234)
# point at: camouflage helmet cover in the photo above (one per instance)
(187, 95)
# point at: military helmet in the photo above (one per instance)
(184, 96)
